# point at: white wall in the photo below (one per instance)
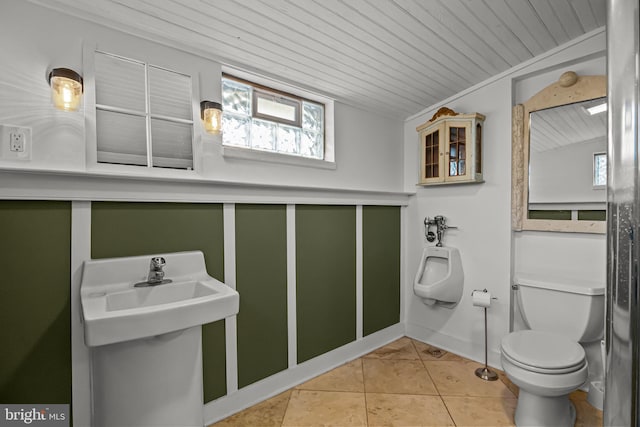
(483, 211)
(581, 255)
(34, 39)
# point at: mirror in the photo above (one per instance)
(559, 157)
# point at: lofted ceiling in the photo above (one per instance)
(393, 56)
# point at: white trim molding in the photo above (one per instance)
(92, 186)
(80, 353)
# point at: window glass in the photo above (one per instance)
(169, 94)
(120, 83)
(144, 114)
(121, 138)
(599, 169)
(261, 119)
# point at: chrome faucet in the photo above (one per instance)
(156, 273)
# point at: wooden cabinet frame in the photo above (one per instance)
(467, 149)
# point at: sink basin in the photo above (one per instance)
(156, 295)
(116, 311)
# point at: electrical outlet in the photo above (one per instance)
(16, 142)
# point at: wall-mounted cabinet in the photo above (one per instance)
(451, 148)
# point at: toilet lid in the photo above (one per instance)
(543, 350)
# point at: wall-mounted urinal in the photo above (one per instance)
(439, 279)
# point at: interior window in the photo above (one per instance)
(144, 114)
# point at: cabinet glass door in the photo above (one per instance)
(457, 151)
(432, 156)
(457, 154)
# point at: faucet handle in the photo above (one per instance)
(157, 262)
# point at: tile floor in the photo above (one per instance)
(406, 383)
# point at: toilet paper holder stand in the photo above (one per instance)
(485, 373)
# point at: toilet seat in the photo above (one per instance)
(543, 352)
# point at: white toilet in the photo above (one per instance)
(439, 279)
(546, 361)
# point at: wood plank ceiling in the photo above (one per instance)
(397, 57)
(558, 127)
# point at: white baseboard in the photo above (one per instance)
(453, 344)
(254, 393)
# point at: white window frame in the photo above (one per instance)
(137, 55)
(271, 157)
(259, 93)
(595, 165)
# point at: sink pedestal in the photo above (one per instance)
(154, 381)
(147, 341)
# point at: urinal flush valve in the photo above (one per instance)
(438, 221)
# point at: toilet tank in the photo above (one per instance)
(571, 307)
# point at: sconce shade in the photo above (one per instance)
(66, 89)
(211, 113)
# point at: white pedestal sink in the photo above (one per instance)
(146, 341)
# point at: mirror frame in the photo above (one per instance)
(569, 89)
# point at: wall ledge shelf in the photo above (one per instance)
(53, 184)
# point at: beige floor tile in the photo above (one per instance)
(402, 381)
(432, 353)
(459, 379)
(404, 410)
(347, 377)
(578, 395)
(325, 408)
(399, 349)
(481, 411)
(269, 413)
(586, 415)
(511, 386)
(397, 376)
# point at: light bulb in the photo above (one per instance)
(211, 113)
(66, 89)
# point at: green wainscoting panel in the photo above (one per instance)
(562, 215)
(592, 215)
(326, 277)
(381, 267)
(35, 310)
(128, 229)
(214, 361)
(261, 280)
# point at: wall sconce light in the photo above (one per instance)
(66, 89)
(211, 113)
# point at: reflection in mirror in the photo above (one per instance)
(566, 162)
(558, 167)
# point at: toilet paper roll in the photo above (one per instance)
(481, 298)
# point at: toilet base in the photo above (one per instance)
(542, 411)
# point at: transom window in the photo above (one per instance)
(260, 118)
